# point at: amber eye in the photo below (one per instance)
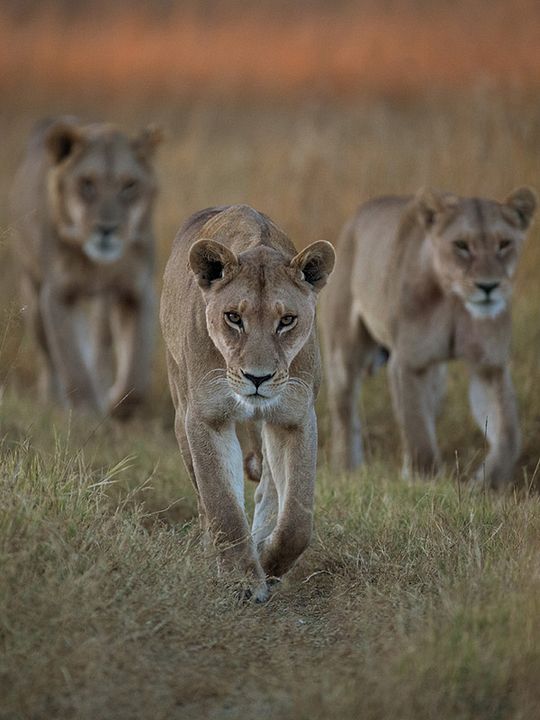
(462, 247)
(233, 318)
(504, 245)
(129, 189)
(87, 189)
(286, 321)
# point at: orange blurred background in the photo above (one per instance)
(233, 48)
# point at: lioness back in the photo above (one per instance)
(370, 256)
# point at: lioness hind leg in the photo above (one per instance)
(345, 362)
(266, 505)
(249, 434)
(493, 405)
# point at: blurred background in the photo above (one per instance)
(306, 48)
(302, 109)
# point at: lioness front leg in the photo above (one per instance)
(292, 455)
(493, 404)
(218, 467)
(132, 327)
(49, 382)
(61, 322)
(415, 395)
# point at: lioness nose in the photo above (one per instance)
(257, 379)
(487, 287)
(107, 230)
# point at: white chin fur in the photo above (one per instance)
(257, 401)
(482, 310)
(104, 256)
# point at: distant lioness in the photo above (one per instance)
(428, 278)
(82, 206)
(237, 314)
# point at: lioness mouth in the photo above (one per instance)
(258, 397)
(104, 250)
(488, 303)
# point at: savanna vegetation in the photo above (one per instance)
(414, 600)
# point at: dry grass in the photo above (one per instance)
(413, 601)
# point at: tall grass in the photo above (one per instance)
(411, 602)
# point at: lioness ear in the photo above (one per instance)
(431, 204)
(315, 263)
(146, 142)
(523, 201)
(209, 260)
(61, 139)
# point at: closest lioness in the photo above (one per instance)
(237, 314)
(429, 279)
(82, 210)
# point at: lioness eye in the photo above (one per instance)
(462, 247)
(504, 245)
(286, 321)
(234, 319)
(129, 189)
(87, 188)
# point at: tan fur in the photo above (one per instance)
(235, 260)
(82, 210)
(402, 283)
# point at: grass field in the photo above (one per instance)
(413, 601)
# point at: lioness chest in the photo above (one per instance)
(74, 272)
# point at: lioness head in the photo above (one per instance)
(101, 186)
(260, 309)
(476, 244)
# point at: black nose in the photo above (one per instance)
(487, 287)
(257, 379)
(107, 230)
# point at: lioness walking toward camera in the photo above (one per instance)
(237, 314)
(429, 279)
(82, 210)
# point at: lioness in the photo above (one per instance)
(82, 207)
(237, 314)
(428, 278)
